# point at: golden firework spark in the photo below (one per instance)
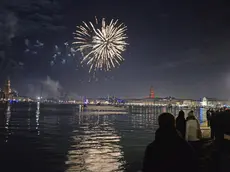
(101, 45)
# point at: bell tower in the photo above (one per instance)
(7, 89)
(151, 95)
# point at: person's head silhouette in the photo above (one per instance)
(181, 114)
(166, 121)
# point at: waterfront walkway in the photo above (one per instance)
(206, 151)
(206, 132)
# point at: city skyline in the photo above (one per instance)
(8, 93)
(180, 49)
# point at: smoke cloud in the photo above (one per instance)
(11, 25)
(50, 88)
(8, 27)
(26, 17)
(47, 88)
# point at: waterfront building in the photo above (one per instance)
(8, 93)
(148, 102)
(7, 90)
(189, 102)
(168, 101)
(23, 99)
(213, 102)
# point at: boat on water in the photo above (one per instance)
(104, 108)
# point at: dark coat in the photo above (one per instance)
(181, 125)
(208, 115)
(220, 125)
(213, 120)
(168, 153)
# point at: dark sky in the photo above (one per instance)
(181, 48)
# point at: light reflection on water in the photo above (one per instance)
(73, 141)
(95, 147)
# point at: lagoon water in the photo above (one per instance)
(34, 138)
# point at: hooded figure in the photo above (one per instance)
(181, 123)
(169, 148)
(193, 131)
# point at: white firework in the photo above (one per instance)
(101, 45)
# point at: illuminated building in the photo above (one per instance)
(8, 93)
(7, 89)
(204, 102)
(163, 102)
(151, 95)
(213, 102)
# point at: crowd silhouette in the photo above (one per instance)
(179, 145)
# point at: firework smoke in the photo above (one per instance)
(51, 88)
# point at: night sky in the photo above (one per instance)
(180, 48)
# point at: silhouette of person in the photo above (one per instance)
(169, 152)
(181, 123)
(208, 116)
(213, 124)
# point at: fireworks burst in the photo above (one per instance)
(101, 45)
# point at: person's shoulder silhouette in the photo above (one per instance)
(169, 151)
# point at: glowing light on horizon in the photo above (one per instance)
(101, 45)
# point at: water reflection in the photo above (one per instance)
(144, 121)
(8, 116)
(37, 118)
(149, 119)
(19, 121)
(78, 142)
(95, 146)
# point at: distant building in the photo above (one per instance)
(8, 93)
(151, 94)
(213, 102)
(7, 90)
(148, 102)
(2, 94)
(168, 101)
